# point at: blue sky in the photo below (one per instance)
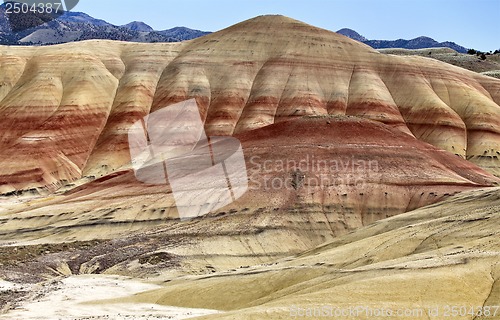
(471, 23)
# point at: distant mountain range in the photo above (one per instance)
(352, 34)
(77, 26)
(417, 43)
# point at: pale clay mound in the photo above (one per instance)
(74, 298)
(438, 256)
(445, 254)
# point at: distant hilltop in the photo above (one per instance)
(78, 26)
(417, 43)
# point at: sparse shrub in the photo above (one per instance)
(471, 51)
(482, 56)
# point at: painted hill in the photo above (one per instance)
(71, 128)
(336, 136)
(279, 77)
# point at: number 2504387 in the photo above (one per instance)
(15, 7)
